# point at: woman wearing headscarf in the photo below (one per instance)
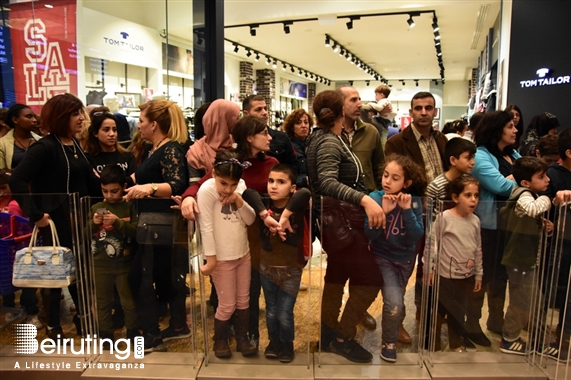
(218, 122)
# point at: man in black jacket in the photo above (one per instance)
(280, 146)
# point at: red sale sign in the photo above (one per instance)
(44, 50)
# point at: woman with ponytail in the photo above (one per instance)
(161, 175)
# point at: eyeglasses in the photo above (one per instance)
(264, 132)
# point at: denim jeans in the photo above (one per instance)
(395, 277)
(281, 285)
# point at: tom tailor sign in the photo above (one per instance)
(544, 79)
(25, 342)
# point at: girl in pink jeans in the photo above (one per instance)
(223, 219)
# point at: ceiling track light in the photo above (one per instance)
(350, 22)
(416, 82)
(335, 48)
(410, 22)
(342, 52)
(436, 35)
(435, 27)
(350, 83)
(253, 30)
(274, 61)
(367, 82)
(327, 41)
(436, 42)
(286, 26)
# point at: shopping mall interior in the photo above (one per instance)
(471, 55)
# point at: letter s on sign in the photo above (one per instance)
(37, 42)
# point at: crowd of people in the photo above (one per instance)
(463, 210)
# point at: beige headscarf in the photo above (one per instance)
(218, 122)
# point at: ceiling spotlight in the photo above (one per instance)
(336, 48)
(299, 72)
(342, 53)
(249, 53)
(275, 64)
(403, 83)
(327, 41)
(350, 22)
(286, 26)
(284, 67)
(268, 60)
(236, 48)
(410, 22)
(292, 68)
(439, 53)
(257, 57)
(348, 56)
(416, 82)
(367, 82)
(437, 35)
(435, 27)
(436, 42)
(350, 83)
(320, 80)
(306, 74)
(253, 30)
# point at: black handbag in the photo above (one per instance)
(156, 228)
(341, 224)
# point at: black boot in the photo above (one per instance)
(107, 335)
(221, 347)
(77, 323)
(241, 327)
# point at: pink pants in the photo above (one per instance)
(232, 282)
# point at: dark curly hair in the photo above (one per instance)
(294, 118)
(412, 171)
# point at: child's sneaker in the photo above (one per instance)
(171, 333)
(389, 352)
(552, 352)
(516, 347)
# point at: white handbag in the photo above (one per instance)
(44, 267)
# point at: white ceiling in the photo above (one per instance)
(386, 43)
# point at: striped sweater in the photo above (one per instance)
(333, 168)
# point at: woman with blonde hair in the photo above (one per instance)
(162, 174)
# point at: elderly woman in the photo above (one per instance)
(495, 138)
(336, 176)
(298, 126)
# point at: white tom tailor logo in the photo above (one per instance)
(25, 342)
(544, 78)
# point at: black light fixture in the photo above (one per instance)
(253, 30)
(292, 68)
(410, 21)
(336, 48)
(286, 26)
(436, 42)
(257, 57)
(348, 56)
(416, 82)
(268, 60)
(284, 67)
(403, 83)
(350, 22)
(435, 27)
(437, 35)
(299, 72)
(342, 52)
(327, 41)
(350, 83)
(236, 48)
(275, 64)
(249, 53)
(367, 82)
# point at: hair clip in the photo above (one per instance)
(244, 165)
(324, 110)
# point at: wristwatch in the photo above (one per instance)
(155, 187)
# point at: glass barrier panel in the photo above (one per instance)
(272, 257)
(555, 356)
(41, 283)
(371, 286)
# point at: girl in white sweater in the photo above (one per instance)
(224, 217)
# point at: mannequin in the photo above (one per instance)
(110, 101)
